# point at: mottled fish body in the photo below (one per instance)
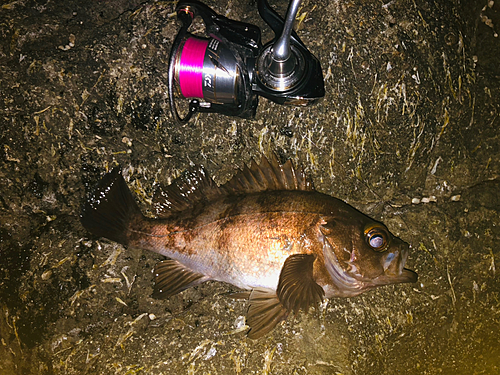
(267, 230)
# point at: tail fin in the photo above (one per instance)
(110, 208)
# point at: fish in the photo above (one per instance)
(267, 231)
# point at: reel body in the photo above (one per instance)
(227, 71)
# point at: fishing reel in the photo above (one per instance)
(227, 71)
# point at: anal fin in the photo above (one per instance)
(171, 277)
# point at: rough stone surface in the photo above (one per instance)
(407, 132)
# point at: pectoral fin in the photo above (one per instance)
(171, 277)
(296, 290)
(296, 287)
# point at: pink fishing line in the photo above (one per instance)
(191, 67)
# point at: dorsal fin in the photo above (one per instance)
(191, 187)
(268, 175)
(195, 186)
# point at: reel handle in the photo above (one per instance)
(281, 49)
(287, 72)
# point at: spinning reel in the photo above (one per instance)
(226, 72)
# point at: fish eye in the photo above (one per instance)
(377, 238)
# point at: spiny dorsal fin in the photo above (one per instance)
(268, 175)
(195, 186)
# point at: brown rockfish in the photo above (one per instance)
(266, 231)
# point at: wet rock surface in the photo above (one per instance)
(407, 133)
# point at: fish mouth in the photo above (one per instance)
(394, 271)
(406, 276)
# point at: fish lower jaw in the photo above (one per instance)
(406, 276)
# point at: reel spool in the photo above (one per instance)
(206, 68)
